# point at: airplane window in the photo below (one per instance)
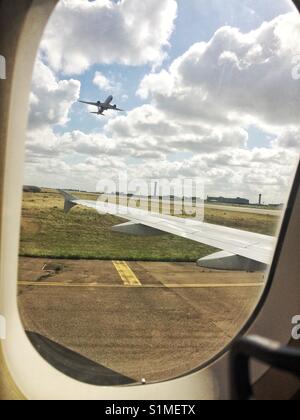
(161, 145)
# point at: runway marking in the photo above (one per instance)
(127, 275)
(148, 286)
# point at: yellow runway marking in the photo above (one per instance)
(150, 286)
(127, 275)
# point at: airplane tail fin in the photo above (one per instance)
(69, 200)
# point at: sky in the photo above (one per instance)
(210, 92)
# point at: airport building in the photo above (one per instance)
(223, 200)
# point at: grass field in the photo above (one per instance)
(48, 232)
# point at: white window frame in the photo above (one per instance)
(32, 374)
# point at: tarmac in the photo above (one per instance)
(118, 322)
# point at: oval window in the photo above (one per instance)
(162, 141)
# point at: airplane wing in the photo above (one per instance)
(252, 246)
(115, 109)
(89, 103)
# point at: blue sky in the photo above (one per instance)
(175, 122)
(197, 21)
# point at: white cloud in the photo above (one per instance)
(131, 32)
(103, 83)
(146, 128)
(289, 139)
(157, 82)
(48, 172)
(232, 170)
(72, 160)
(42, 143)
(235, 77)
(196, 124)
(51, 99)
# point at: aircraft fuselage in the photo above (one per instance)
(106, 105)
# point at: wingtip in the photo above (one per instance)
(69, 200)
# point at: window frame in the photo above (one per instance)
(45, 382)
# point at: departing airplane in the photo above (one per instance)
(241, 250)
(103, 106)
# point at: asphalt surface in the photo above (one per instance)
(144, 205)
(116, 323)
(240, 209)
(222, 207)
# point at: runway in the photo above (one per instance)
(240, 209)
(144, 205)
(120, 322)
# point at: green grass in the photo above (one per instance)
(84, 234)
(258, 223)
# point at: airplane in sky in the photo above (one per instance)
(241, 250)
(103, 106)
